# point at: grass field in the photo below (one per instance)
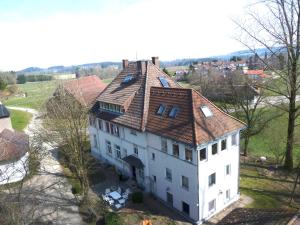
(268, 189)
(260, 145)
(37, 94)
(19, 119)
(108, 80)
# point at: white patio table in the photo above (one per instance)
(115, 195)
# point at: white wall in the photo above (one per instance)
(179, 167)
(216, 164)
(127, 141)
(5, 123)
(14, 171)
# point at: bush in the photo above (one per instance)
(76, 188)
(137, 197)
(112, 219)
(21, 79)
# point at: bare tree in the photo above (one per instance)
(275, 25)
(65, 124)
(19, 203)
(246, 103)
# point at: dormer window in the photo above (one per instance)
(174, 111)
(161, 109)
(164, 82)
(206, 111)
(110, 107)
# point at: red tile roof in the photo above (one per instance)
(143, 96)
(13, 145)
(190, 125)
(134, 96)
(259, 73)
(85, 89)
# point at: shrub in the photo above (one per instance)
(137, 197)
(76, 188)
(112, 219)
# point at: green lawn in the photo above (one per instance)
(19, 119)
(260, 144)
(37, 94)
(108, 80)
(267, 189)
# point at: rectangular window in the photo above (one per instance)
(228, 195)
(133, 132)
(203, 155)
(228, 169)
(223, 144)
(153, 156)
(234, 139)
(188, 155)
(111, 128)
(100, 124)
(176, 150)
(107, 127)
(108, 147)
(214, 149)
(161, 109)
(95, 141)
(212, 179)
(118, 151)
(212, 206)
(154, 178)
(124, 152)
(164, 145)
(186, 208)
(92, 120)
(185, 182)
(115, 130)
(168, 174)
(169, 198)
(136, 150)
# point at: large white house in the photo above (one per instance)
(174, 142)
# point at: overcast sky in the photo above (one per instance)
(45, 33)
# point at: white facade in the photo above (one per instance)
(14, 171)
(181, 181)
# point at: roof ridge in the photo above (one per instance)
(220, 110)
(193, 117)
(144, 122)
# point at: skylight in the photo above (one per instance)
(174, 111)
(206, 111)
(164, 82)
(127, 79)
(161, 109)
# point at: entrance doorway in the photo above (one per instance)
(133, 172)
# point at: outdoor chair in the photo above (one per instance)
(128, 191)
(125, 196)
(111, 202)
(119, 190)
(107, 191)
(122, 201)
(118, 206)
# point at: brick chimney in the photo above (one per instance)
(141, 65)
(125, 63)
(155, 61)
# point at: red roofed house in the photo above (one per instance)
(85, 89)
(256, 74)
(172, 141)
